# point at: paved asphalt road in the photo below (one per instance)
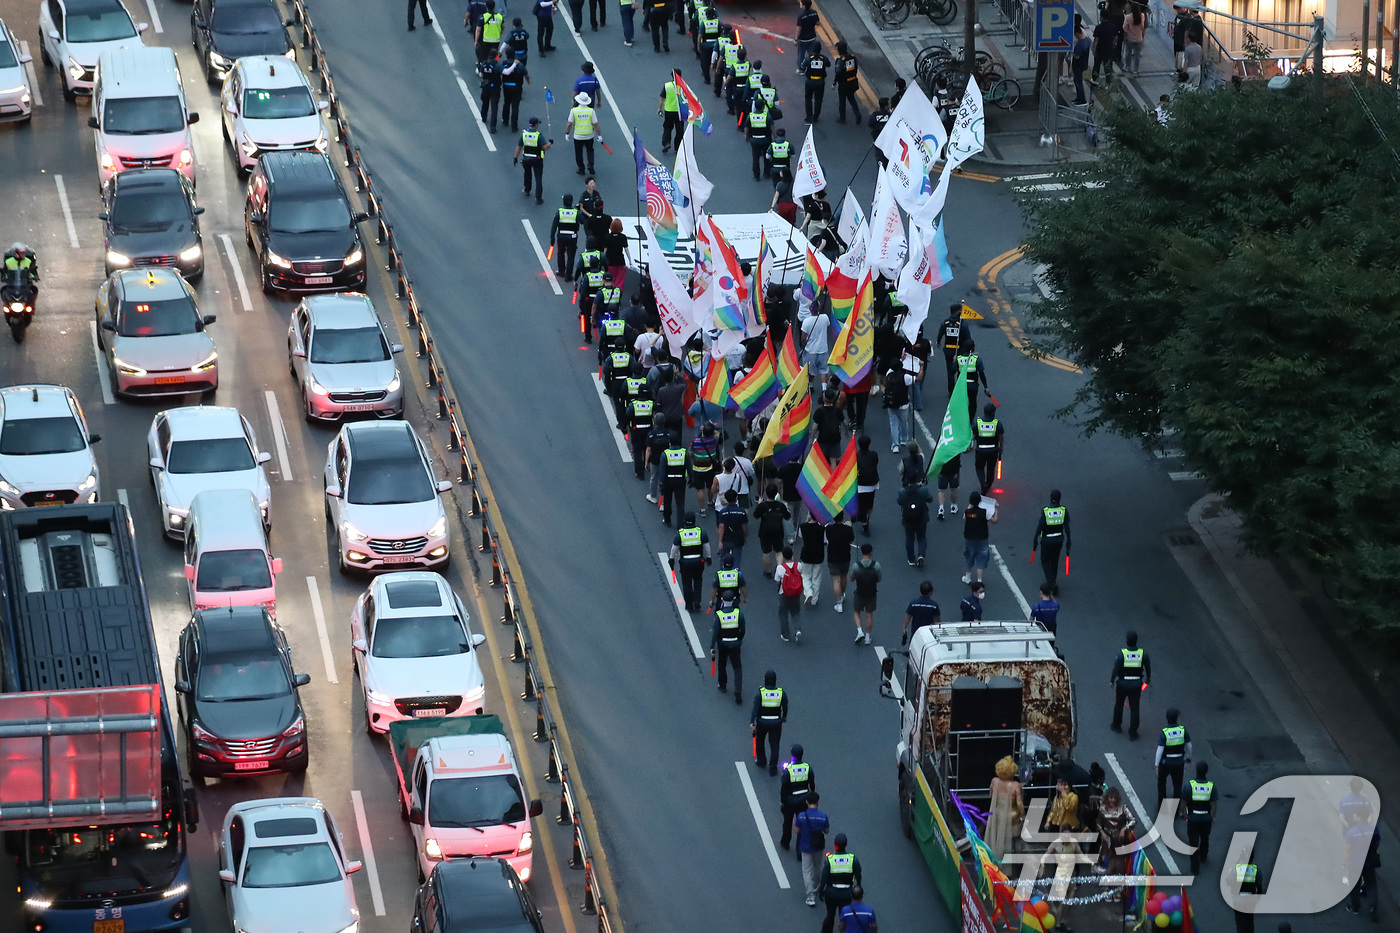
(658, 747)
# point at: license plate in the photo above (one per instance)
(250, 766)
(319, 279)
(169, 380)
(428, 713)
(399, 558)
(43, 502)
(109, 926)
(358, 407)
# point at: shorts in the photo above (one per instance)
(770, 543)
(839, 570)
(702, 480)
(816, 363)
(976, 554)
(863, 603)
(949, 482)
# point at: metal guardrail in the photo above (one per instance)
(595, 901)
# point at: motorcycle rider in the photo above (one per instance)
(21, 257)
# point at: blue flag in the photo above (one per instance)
(548, 96)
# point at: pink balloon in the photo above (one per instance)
(1153, 908)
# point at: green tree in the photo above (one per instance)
(1233, 276)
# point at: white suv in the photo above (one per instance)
(382, 499)
(415, 651)
(73, 33)
(45, 449)
(199, 448)
(267, 105)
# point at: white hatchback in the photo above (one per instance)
(16, 101)
(268, 105)
(204, 447)
(45, 449)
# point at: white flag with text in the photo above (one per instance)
(809, 178)
(911, 141)
(673, 302)
(887, 246)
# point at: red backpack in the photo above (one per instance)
(792, 580)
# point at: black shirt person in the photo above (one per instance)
(1132, 671)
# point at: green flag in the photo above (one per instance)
(956, 433)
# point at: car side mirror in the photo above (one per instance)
(92, 122)
(396, 348)
(359, 644)
(264, 456)
(301, 680)
(276, 565)
(226, 875)
(198, 211)
(192, 118)
(333, 492)
(102, 216)
(182, 686)
(353, 866)
(415, 816)
(156, 464)
(359, 218)
(232, 108)
(478, 639)
(444, 485)
(189, 572)
(53, 34)
(209, 319)
(109, 325)
(536, 808)
(299, 353)
(323, 105)
(142, 27)
(94, 438)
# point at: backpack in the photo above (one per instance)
(896, 391)
(792, 580)
(770, 523)
(916, 512)
(866, 578)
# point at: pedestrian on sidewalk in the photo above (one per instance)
(812, 556)
(867, 482)
(1079, 63)
(970, 609)
(914, 501)
(977, 549)
(1134, 36)
(866, 576)
(1192, 57)
(812, 825)
(839, 538)
(1178, 30)
(1132, 673)
(1052, 534)
(922, 610)
(846, 82)
(789, 577)
(807, 22)
(1172, 756)
(544, 25)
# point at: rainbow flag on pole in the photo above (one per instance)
(786, 436)
(691, 110)
(812, 277)
(827, 491)
(658, 188)
(761, 269)
(760, 387)
(854, 350)
(715, 387)
(789, 363)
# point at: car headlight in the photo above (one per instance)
(527, 842)
(439, 528)
(356, 256)
(394, 384)
(189, 255)
(277, 260)
(115, 258)
(88, 483)
(24, 98)
(316, 387)
(296, 728)
(38, 903)
(377, 698)
(352, 533)
(201, 733)
(108, 162)
(208, 363)
(75, 68)
(218, 61)
(186, 156)
(7, 488)
(431, 849)
(177, 518)
(127, 369)
(178, 891)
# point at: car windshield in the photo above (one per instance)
(242, 676)
(169, 317)
(7, 56)
(277, 103)
(419, 637)
(33, 436)
(290, 866)
(309, 215)
(143, 212)
(476, 801)
(100, 26)
(390, 482)
(360, 345)
(142, 116)
(210, 455)
(246, 20)
(233, 570)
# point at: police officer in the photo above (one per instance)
(1173, 752)
(846, 82)
(597, 13)
(514, 77)
(488, 32)
(670, 111)
(729, 588)
(736, 78)
(951, 330)
(770, 96)
(692, 547)
(770, 709)
(709, 37)
(877, 122)
(970, 365)
(815, 69)
(423, 6)
(582, 128)
(518, 41)
(674, 462)
(617, 368)
(840, 875)
(588, 287)
(1051, 534)
(563, 235)
(755, 82)
(1132, 671)
(606, 305)
(489, 68)
(758, 134)
(660, 20)
(726, 640)
(1246, 881)
(640, 417)
(531, 149)
(797, 782)
(990, 436)
(779, 155)
(658, 439)
(725, 55)
(1199, 807)
(21, 257)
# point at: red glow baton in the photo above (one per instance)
(755, 747)
(1066, 565)
(1032, 560)
(550, 255)
(606, 149)
(712, 672)
(998, 469)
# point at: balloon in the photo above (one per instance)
(1040, 907)
(1154, 907)
(1171, 904)
(1176, 918)
(1047, 922)
(1159, 895)
(1162, 920)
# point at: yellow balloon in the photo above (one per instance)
(1162, 920)
(1048, 922)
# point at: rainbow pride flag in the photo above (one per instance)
(785, 439)
(854, 350)
(760, 387)
(812, 277)
(789, 364)
(715, 387)
(842, 289)
(760, 276)
(827, 491)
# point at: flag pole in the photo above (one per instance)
(690, 169)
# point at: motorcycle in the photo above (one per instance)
(17, 295)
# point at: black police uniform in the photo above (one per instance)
(770, 709)
(490, 71)
(1051, 534)
(563, 236)
(1200, 795)
(1174, 741)
(814, 87)
(799, 780)
(847, 83)
(532, 147)
(760, 131)
(691, 546)
(726, 641)
(660, 21)
(674, 462)
(1131, 671)
(513, 78)
(989, 436)
(951, 329)
(640, 419)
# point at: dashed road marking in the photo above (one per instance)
(279, 436)
(610, 417)
(155, 16)
(679, 597)
(239, 282)
(544, 260)
(763, 834)
(33, 76)
(104, 378)
(461, 81)
(319, 612)
(67, 211)
(367, 853)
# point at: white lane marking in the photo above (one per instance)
(319, 612)
(461, 81)
(1006, 575)
(33, 77)
(929, 443)
(155, 16)
(611, 418)
(1169, 453)
(895, 686)
(1030, 177)
(626, 136)
(544, 260)
(67, 211)
(679, 597)
(103, 377)
(763, 834)
(279, 435)
(367, 853)
(1144, 817)
(238, 279)
(1185, 476)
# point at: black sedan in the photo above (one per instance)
(224, 31)
(475, 895)
(237, 695)
(150, 219)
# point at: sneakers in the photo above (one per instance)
(909, 562)
(722, 688)
(797, 634)
(867, 639)
(811, 901)
(953, 508)
(784, 637)
(940, 513)
(967, 578)
(840, 604)
(651, 498)
(738, 700)
(628, 44)
(919, 562)
(894, 448)
(860, 637)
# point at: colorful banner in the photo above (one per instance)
(911, 141)
(658, 188)
(827, 491)
(693, 187)
(854, 349)
(760, 387)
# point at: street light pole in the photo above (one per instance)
(1319, 33)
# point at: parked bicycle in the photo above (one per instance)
(939, 65)
(895, 12)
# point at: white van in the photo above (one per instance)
(227, 560)
(139, 112)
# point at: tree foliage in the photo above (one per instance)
(1235, 276)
